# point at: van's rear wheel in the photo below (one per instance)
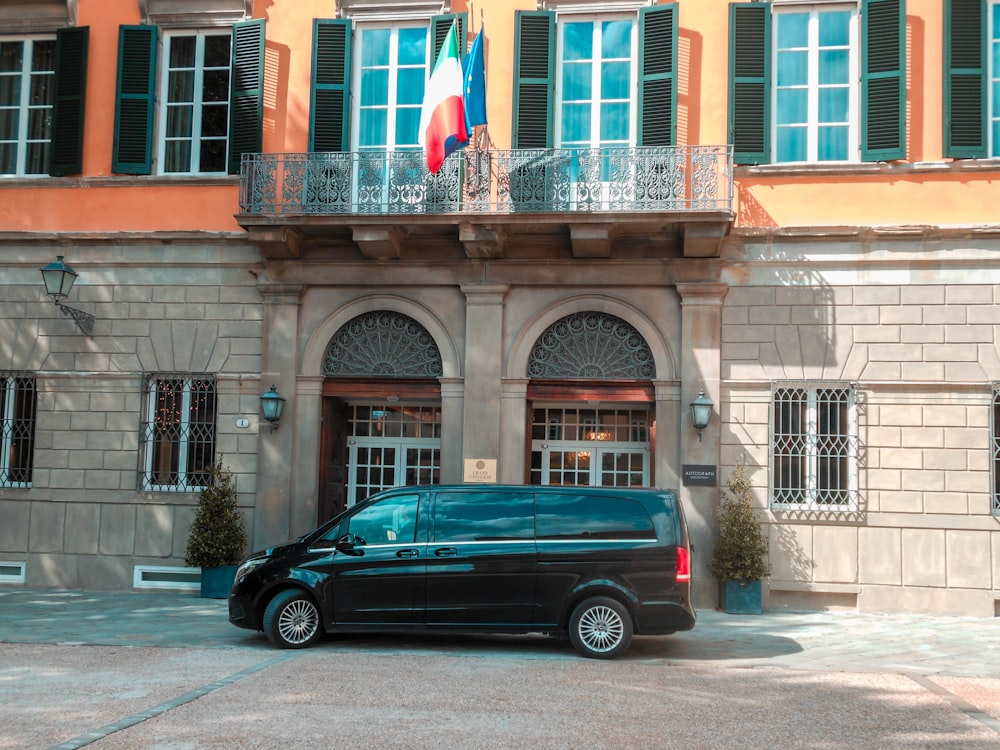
(291, 620)
(600, 628)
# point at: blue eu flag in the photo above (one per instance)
(474, 73)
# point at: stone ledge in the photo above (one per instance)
(813, 587)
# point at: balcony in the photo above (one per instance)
(658, 201)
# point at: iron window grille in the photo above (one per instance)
(814, 447)
(178, 432)
(995, 463)
(18, 398)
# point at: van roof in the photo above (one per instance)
(544, 488)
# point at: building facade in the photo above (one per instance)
(786, 207)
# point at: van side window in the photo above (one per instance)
(389, 521)
(483, 516)
(589, 517)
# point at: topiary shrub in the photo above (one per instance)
(218, 534)
(740, 552)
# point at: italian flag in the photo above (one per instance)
(442, 118)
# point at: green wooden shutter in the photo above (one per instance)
(439, 30)
(66, 154)
(329, 110)
(658, 75)
(883, 80)
(534, 79)
(750, 82)
(246, 103)
(135, 100)
(965, 116)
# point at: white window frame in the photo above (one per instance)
(595, 120)
(183, 441)
(995, 451)
(595, 443)
(25, 107)
(399, 443)
(164, 105)
(804, 448)
(993, 80)
(813, 85)
(393, 66)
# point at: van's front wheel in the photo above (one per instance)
(291, 620)
(600, 628)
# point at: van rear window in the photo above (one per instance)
(591, 517)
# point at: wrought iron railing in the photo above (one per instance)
(664, 178)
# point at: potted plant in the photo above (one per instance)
(739, 558)
(218, 536)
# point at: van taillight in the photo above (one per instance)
(683, 565)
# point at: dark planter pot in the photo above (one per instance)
(216, 582)
(742, 597)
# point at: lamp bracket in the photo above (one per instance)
(84, 321)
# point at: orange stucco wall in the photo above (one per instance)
(98, 201)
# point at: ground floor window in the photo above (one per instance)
(17, 429)
(178, 432)
(390, 445)
(995, 463)
(814, 447)
(606, 447)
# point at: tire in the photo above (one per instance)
(600, 628)
(292, 620)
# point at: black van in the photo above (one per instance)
(598, 563)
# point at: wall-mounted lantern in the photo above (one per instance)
(701, 412)
(271, 406)
(59, 277)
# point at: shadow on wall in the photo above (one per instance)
(793, 562)
(749, 211)
(689, 46)
(277, 59)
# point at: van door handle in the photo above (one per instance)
(446, 552)
(408, 553)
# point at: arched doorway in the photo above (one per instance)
(381, 409)
(591, 403)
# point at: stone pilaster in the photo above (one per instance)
(274, 513)
(701, 366)
(483, 370)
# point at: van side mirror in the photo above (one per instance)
(348, 544)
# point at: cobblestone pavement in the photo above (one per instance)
(167, 671)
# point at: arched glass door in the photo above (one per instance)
(592, 422)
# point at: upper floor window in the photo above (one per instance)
(42, 81)
(189, 101)
(814, 447)
(17, 429)
(994, 86)
(392, 64)
(178, 432)
(594, 82)
(817, 83)
(815, 92)
(194, 116)
(582, 80)
(27, 94)
(971, 79)
(368, 79)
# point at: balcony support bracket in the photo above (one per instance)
(378, 242)
(481, 240)
(591, 240)
(703, 240)
(276, 242)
